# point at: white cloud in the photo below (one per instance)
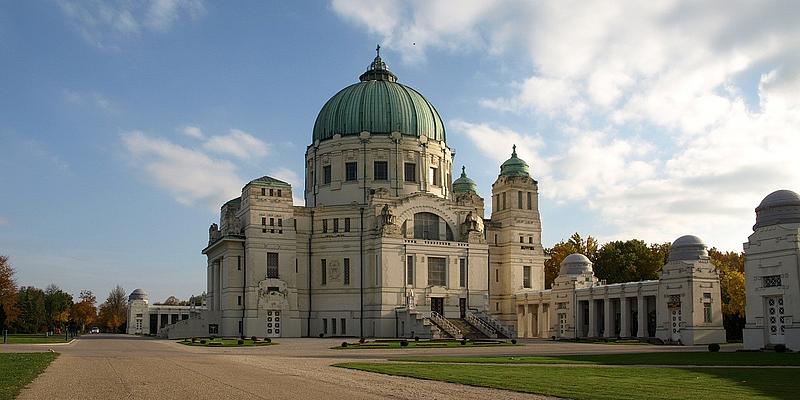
(237, 143)
(190, 176)
(104, 23)
(660, 129)
(193, 132)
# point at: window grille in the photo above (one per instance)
(771, 280)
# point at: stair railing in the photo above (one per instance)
(480, 325)
(446, 325)
(495, 324)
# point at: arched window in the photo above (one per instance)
(426, 226)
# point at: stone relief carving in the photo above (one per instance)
(269, 298)
(388, 222)
(213, 233)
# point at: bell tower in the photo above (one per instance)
(516, 257)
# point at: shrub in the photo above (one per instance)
(344, 344)
(203, 341)
(463, 342)
(713, 347)
(513, 341)
(403, 343)
(267, 340)
(416, 338)
(780, 348)
(211, 337)
(240, 342)
(361, 340)
(194, 340)
(321, 335)
(254, 339)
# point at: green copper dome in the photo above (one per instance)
(379, 105)
(463, 184)
(514, 166)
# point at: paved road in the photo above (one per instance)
(127, 367)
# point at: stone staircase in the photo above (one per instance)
(467, 330)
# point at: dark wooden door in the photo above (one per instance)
(437, 304)
(462, 307)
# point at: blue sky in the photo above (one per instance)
(124, 125)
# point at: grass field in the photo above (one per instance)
(19, 369)
(677, 358)
(33, 339)
(608, 382)
(224, 343)
(395, 344)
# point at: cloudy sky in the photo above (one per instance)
(124, 125)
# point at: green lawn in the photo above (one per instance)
(19, 369)
(608, 382)
(395, 344)
(676, 358)
(33, 339)
(224, 343)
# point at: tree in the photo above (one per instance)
(114, 312)
(561, 250)
(628, 261)
(30, 302)
(57, 304)
(84, 312)
(730, 266)
(8, 294)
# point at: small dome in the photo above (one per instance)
(464, 184)
(575, 264)
(688, 247)
(138, 294)
(779, 207)
(514, 166)
(379, 105)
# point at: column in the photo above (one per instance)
(539, 322)
(641, 313)
(624, 315)
(608, 328)
(158, 323)
(592, 320)
(521, 321)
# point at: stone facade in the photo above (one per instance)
(152, 319)
(772, 260)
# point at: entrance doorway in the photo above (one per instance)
(562, 325)
(462, 307)
(273, 323)
(437, 305)
(775, 320)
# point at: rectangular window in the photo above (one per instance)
(529, 200)
(380, 171)
(239, 300)
(271, 192)
(437, 271)
(272, 222)
(347, 224)
(771, 280)
(326, 174)
(351, 171)
(333, 325)
(410, 270)
(324, 275)
(324, 226)
(497, 275)
(433, 176)
(335, 225)
(410, 172)
(279, 193)
(530, 239)
(504, 200)
(272, 265)
(343, 326)
(522, 239)
(325, 326)
(239, 263)
(462, 272)
(346, 271)
(264, 221)
(263, 191)
(240, 327)
(707, 313)
(519, 200)
(526, 277)
(280, 222)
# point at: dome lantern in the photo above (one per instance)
(514, 166)
(464, 184)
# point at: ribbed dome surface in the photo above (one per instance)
(379, 105)
(688, 247)
(575, 264)
(779, 207)
(138, 294)
(464, 184)
(514, 166)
